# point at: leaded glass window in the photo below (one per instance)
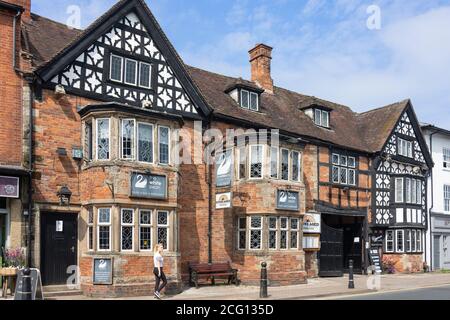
(285, 164)
(127, 137)
(145, 75)
(88, 141)
(284, 229)
(295, 225)
(273, 231)
(127, 231)
(116, 68)
(419, 241)
(400, 235)
(405, 148)
(295, 165)
(90, 234)
(145, 230)
(256, 162)
(446, 156)
(274, 155)
(104, 229)
(254, 103)
(145, 143)
(162, 231)
(242, 163)
(164, 139)
(256, 233)
(343, 170)
(103, 139)
(413, 241)
(408, 240)
(245, 99)
(335, 174)
(398, 190)
(131, 72)
(389, 241)
(447, 198)
(242, 233)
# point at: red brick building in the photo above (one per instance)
(115, 109)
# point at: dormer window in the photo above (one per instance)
(130, 72)
(322, 118)
(246, 96)
(249, 100)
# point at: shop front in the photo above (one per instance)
(440, 242)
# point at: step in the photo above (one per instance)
(60, 291)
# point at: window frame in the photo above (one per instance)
(387, 241)
(135, 84)
(405, 148)
(292, 231)
(277, 164)
(166, 226)
(446, 198)
(97, 138)
(276, 230)
(121, 68)
(241, 99)
(133, 142)
(143, 225)
(446, 158)
(261, 230)
(137, 142)
(90, 226)
(288, 164)
(169, 136)
(318, 120)
(149, 75)
(254, 94)
(396, 191)
(127, 225)
(286, 229)
(239, 230)
(250, 162)
(103, 224)
(242, 166)
(397, 232)
(299, 166)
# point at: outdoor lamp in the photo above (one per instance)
(64, 195)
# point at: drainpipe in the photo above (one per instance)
(210, 213)
(30, 185)
(432, 207)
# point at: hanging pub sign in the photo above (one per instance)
(312, 223)
(223, 200)
(103, 272)
(288, 200)
(148, 186)
(9, 187)
(224, 169)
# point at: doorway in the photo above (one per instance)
(342, 240)
(59, 239)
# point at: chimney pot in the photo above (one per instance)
(260, 61)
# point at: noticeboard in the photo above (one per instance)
(103, 271)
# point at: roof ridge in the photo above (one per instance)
(384, 107)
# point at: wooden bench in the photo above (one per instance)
(212, 272)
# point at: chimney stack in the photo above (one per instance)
(260, 60)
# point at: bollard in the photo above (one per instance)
(263, 289)
(351, 281)
(26, 286)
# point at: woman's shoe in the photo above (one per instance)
(157, 295)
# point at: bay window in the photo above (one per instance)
(104, 229)
(103, 139)
(127, 230)
(403, 241)
(408, 190)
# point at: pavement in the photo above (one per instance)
(316, 289)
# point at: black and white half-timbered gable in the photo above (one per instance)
(125, 57)
(399, 199)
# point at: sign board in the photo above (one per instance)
(103, 271)
(59, 226)
(224, 169)
(36, 286)
(148, 186)
(288, 200)
(9, 187)
(311, 242)
(223, 200)
(312, 223)
(375, 260)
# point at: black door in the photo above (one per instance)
(58, 246)
(331, 253)
(353, 246)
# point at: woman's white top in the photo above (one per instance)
(158, 260)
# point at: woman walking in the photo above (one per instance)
(158, 261)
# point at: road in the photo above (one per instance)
(435, 293)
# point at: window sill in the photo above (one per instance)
(127, 163)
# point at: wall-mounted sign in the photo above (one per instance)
(311, 242)
(288, 200)
(103, 271)
(312, 223)
(59, 226)
(224, 169)
(223, 200)
(9, 187)
(148, 186)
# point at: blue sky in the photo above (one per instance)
(321, 47)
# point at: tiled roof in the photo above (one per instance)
(365, 132)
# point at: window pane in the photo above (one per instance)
(343, 175)
(413, 241)
(335, 174)
(103, 237)
(274, 163)
(325, 119)
(163, 145)
(447, 198)
(116, 68)
(244, 99)
(389, 241)
(273, 239)
(242, 239)
(285, 164)
(163, 222)
(352, 162)
(255, 233)
(400, 240)
(144, 76)
(399, 190)
(335, 159)
(130, 72)
(91, 238)
(294, 239)
(408, 190)
(103, 139)
(253, 101)
(88, 141)
(127, 139)
(351, 177)
(256, 162)
(145, 217)
(242, 163)
(145, 133)
(283, 239)
(242, 223)
(446, 155)
(127, 238)
(318, 117)
(344, 161)
(295, 166)
(146, 238)
(104, 216)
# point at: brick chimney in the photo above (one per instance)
(260, 60)
(26, 4)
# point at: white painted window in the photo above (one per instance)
(254, 101)
(447, 198)
(90, 233)
(104, 229)
(296, 165)
(408, 190)
(256, 162)
(389, 241)
(399, 190)
(419, 240)
(103, 139)
(145, 230)
(408, 240)
(249, 100)
(256, 226)
(273, 233)
(164, 145)
(245, 96)
(399, 215)
(116, 68)
(400, 241)
(405, 148)
(413, 241)
(127, 137)
(343, 170)
(145, 75)
(322, 118)
(446, 156)
(274, 156)
(419, 185)
(145, 147)
(163, 229)
(242, 233)
(131, 72)
(127, 230)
